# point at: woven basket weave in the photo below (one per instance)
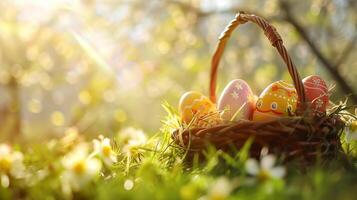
(302, 137)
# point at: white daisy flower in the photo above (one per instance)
(132, 139)
(131, 134)
(11, 165)
(266, 169)
(219, 190)
(105, 151)
(132, 148)
(80, 169)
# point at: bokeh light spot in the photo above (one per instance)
(120, 116)
(34, 106)
(163, 47)
(85, 97)
(128, 184)
(57, 118)
(71, 131)
(4, 77)
(109, 96)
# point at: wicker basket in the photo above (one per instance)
(302, 137)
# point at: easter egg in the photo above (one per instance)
(316, 93)
(236, 101)
(277, 100)
(195, 106)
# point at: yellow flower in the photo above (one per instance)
(5, 158)
(104, 150)
(79, 169)
(11, 165)
(5, 163)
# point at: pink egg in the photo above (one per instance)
(316, 93)
(236, 101)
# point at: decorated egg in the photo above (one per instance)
(316, 93)
(194, 105)
(277, 100)
(236, 101)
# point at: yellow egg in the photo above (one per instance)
(277, 100)
(196, 107)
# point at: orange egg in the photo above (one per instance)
(277, 100)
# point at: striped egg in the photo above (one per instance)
(236, 101)
(316, 93)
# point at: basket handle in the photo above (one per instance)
(276, 41)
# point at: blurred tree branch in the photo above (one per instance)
(346, 52)
(200, 13)
(331, 68)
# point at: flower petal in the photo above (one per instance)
(106, 142)
(252, 166)
(220, 189)
(94, 166)
(268, 162)
(4, 149)
(96, 144)
(277, 172)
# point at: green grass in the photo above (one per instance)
(157, 170)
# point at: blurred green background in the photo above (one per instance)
(97, 66)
